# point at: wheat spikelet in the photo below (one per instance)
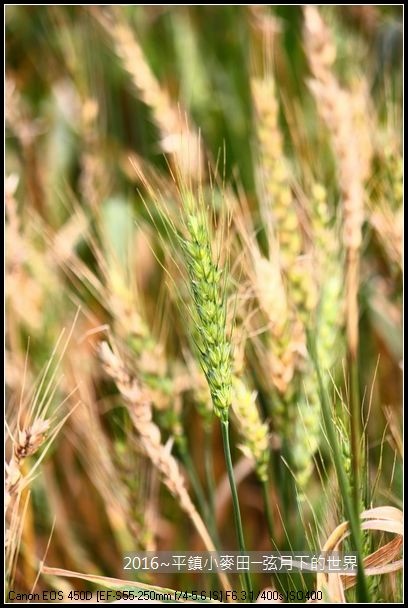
(320, 224)
(30, 439)
(303, 291)
(277, 190)
(275, 176)
(305, 426)
(306, 416)
(286, 333)
(327, 254)
(283, 335)
(28, 442)
(253, 431)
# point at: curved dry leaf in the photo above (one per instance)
(381, 561)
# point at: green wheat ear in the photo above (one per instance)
(254, 432)
(209, 312)
(209, 309)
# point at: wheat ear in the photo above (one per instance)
(177, 137)
(335, 106)
(210, 333)
(253, 431)
(278, 193)
(213, 346)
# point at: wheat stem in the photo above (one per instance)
(235, 501)
(268, 509)
(209, 473)
(200, 495)
(355, 428)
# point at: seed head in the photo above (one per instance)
(209, 309)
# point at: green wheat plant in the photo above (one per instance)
(215, 195)
(207, 282)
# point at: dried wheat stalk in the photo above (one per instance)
(140, 410)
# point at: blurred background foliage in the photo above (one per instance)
(74, 119)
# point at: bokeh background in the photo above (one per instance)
(95, 98)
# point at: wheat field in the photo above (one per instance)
(203, 296)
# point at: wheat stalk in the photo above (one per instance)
(274, 170)
(335, 106)
(209, 312)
